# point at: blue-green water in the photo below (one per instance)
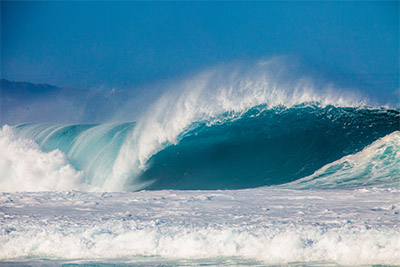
(260, 147)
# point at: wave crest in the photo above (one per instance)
(214, 92)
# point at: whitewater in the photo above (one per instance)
(233, 166)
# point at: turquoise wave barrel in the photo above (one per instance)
(258, 148)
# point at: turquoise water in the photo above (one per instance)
(260, 147)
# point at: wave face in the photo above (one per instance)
(269, 147)
(260, 147)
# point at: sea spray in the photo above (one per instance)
(211, 94)
(24, 167)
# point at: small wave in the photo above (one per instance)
(377, 165)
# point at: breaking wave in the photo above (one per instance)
(330, 145)
(242, 128)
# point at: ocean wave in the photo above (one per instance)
(257, 148)
(272, 147)
(214, 93)
(225, 128)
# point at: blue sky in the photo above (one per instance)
(127, 44)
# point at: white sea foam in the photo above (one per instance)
(376, 165)
(273, 226)
(212, 93)
(24, 167)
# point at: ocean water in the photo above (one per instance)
(248, 176)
